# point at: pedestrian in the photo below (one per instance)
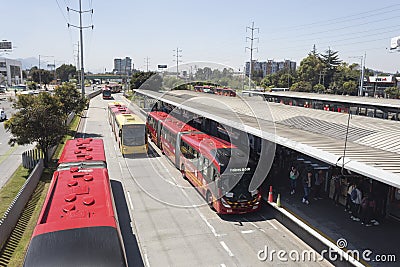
(356, 197)
(337, 182)
(371, 212)
(319, 180)
(364, 210)
(294, 174)
(307, 187)
(348, 198)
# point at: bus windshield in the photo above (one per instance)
(133, 135)
(236, 174)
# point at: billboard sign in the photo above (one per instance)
(395, 43)
(5, 45)
(162, 66)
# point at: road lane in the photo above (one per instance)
(172, 223)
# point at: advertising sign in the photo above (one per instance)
(395, 43)
(5, 45)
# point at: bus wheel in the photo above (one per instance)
(183, 172)
(209, 200)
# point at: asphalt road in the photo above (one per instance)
(165, 222)
(10, 157)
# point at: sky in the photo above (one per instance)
(210, 31)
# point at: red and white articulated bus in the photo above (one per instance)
(106, 93)
(225, 91)
(78, 224)
(153, 125)
(220, 171)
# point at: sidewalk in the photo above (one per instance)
(334, 223)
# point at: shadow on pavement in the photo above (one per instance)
(88, 135)
(151, 153)
(261, 215)
(131, 246)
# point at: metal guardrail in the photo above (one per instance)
(31, 157)
(11, 216)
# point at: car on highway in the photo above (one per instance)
(2, 89)
(3, 115)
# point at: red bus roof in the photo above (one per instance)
(176, 126)
(77, 199)
(120, 110)
(77, 150)
(158, 115)
(205, 142)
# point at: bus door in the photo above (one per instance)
(158, 126)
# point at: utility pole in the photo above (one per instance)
(362, 75)
(146, 60)
(77, 60)
(40, 76)
(80, 27)
(362, 67)
(177, 51)
(251, 48)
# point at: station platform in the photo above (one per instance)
(334, 223)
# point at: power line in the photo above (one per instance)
(80, 27)
(340, 19)
(252, 38)
(334, 29)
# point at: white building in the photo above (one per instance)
(10, 71)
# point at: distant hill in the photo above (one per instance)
(29, 62)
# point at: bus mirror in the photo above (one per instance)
(120, 133)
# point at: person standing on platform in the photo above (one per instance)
(337, 182)
(348, 198)
(307, 187)
(356, 197)
(294, 174)
(319, 180)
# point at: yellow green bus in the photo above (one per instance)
(131, 137)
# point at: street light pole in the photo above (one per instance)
(40, 76)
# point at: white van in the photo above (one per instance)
(3, 115)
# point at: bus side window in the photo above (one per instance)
(200, 166)
(205, 167)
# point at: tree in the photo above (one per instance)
(70, 98)
(331, 61)
(311, 69)
(146, 80)
(66, 72)
(392, 92)
(45, 76)
(38, 119)
(350, 88)
(319, 88)
(301, 86)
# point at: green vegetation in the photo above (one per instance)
(66, 72)
(42, 118)
(146, 80)
(11, 188)
(319, 73)
(393, 92)
(38, 119)
(18, 256)
(70, 98)
(41, 76)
